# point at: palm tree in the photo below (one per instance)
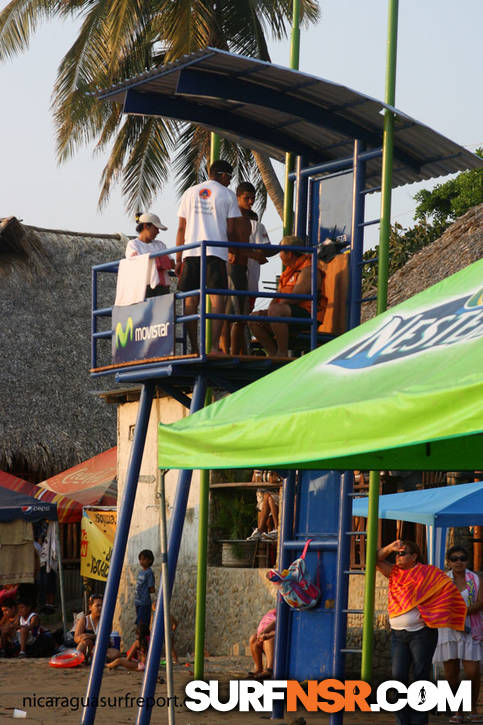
(121, 38)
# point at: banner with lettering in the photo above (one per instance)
(98, 526)
(144, 330)
(403, 391)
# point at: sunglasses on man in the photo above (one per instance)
(461, 557)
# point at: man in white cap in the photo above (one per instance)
(208, 211)
(148, 226)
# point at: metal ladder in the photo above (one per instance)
(319, 508)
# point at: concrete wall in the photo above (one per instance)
(236, 601)
(236, 598)
(145, 524)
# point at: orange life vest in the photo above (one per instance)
(288, 280)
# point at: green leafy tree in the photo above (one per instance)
(436, 210)
(453, 198)
(403, 243)
(121, 38)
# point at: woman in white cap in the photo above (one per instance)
(148, 226)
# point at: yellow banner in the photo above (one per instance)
(98, 526)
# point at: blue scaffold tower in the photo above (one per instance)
(336, 135)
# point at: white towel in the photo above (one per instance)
(132, 278)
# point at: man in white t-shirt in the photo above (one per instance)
(208, 211)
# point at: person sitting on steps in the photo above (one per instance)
(262, 642)
(268, 501)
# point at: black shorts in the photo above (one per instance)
(161, 289)
(216, 277)
(300, 312)
(238, 280)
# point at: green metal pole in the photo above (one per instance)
(289, 159)
(387, 154)
(200, 619)
(370, 577)
(383, 267)
(215, 145)
(288, 196)
(208, 326)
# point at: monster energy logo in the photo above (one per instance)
(123, 336)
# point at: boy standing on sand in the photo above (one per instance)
(144, 587)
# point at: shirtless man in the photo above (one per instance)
(239, 264)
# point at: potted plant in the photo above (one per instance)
(233, 513)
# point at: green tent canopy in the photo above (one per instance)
(402, 391)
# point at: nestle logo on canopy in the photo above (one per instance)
(447, 324)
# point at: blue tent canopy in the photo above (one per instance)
(438, 508)
(460, 505)
(15, 505)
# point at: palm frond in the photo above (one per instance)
(90, 64)
(119, 39)
(191, 161)
(192, 153)
(121, 21)
(111, 125)
(184, 26)
(260, 41)
(242, 24)
(113, 169)
(309, 12)
(147, 143)
(246, 169)
(78, 114)
(19, 20)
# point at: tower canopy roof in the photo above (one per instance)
(274, 109)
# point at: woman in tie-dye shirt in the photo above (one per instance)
(421, 599)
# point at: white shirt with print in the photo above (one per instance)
(206, 207)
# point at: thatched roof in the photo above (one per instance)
(51, 417)
(460, 245)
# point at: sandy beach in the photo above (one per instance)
(23, 684)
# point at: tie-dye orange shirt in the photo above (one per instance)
(431, 591)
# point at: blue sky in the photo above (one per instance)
(438, 83)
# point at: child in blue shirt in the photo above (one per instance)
(144, 588)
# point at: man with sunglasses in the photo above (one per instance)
(421, 599)
(207, 211)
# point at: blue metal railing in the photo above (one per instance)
(330, 169)
(203, 315)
